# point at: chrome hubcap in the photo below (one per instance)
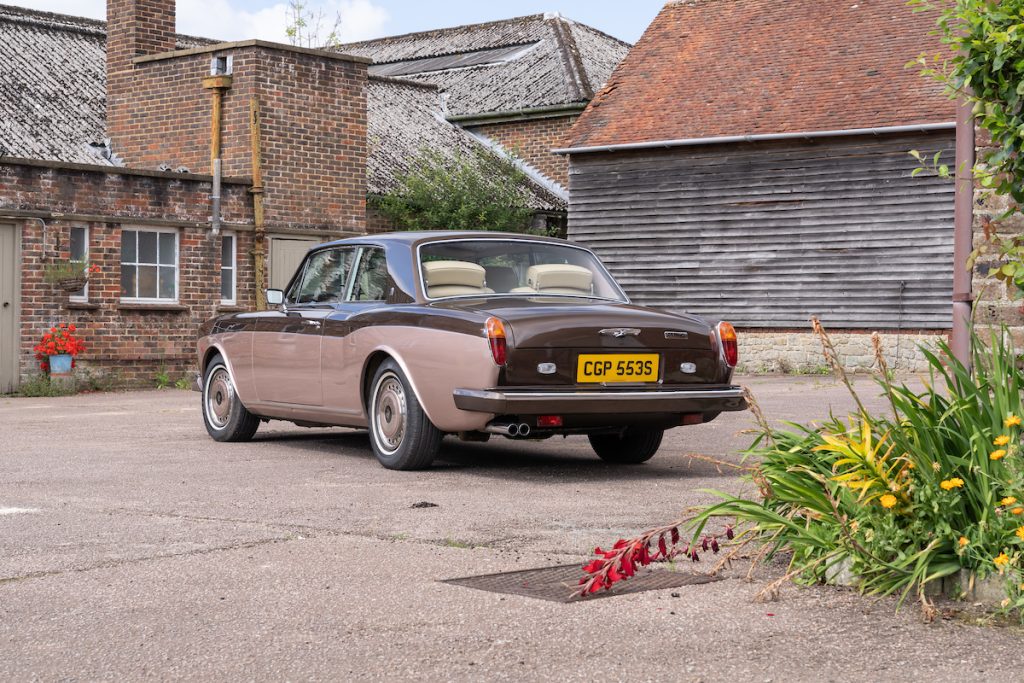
(220, 398)
(389, 413)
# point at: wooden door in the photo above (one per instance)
(9, 324)
(286, 254)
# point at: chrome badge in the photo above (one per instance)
(620, 332)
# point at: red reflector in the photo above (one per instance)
(693, 418)
(549, 421)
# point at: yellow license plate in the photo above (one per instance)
(617, 367)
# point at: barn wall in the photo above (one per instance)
(768, 234)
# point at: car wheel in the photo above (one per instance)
(225, 417)
(402, 435)
(633, 446)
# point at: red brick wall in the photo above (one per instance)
(533, 141)
(313, 128)
(130, 345)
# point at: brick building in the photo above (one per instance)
(107, 156)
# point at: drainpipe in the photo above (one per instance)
(259, 240)
(218, 85)
(963, 227)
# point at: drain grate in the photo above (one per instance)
(557, 583)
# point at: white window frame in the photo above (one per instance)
(177, 264)
(84, 296)
(233, 301)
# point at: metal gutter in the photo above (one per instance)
(763, 137)
(549, 112)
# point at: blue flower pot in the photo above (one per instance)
(61, 364)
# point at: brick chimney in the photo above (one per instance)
(134, 28)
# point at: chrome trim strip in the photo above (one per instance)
(513, 396)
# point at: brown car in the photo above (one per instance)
(418, 335)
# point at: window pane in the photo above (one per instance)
(372, 277)
(324, 279)
(147, 247)
(167, 282)
(128, 281)
(127, 246)
(167, 248)
(147, 282)
(226, 288)
(79, 248)
(227, 251)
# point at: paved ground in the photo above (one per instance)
(132, 546)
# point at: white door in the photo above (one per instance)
(9, 327)
(286, 254)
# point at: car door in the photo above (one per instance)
(342, 363)
(287, 343)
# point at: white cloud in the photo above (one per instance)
(226, 20)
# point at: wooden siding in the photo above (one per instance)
(768, 234)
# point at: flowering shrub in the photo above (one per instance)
(60, 339)
(900, 500)
(68, 270)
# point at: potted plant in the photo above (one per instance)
(69, 276)
(57, 349)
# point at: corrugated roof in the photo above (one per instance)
(53, 102)
(563, 64)
(404, 118)
(710, 68)
(53, 85)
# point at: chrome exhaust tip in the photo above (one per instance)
(524, 429)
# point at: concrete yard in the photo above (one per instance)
(132, 546)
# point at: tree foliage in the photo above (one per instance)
(470, 191)
(986, 69)
(308, 27)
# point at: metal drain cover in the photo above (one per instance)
(557, 583)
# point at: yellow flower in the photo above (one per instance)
(1011, 421)
(1017, 511)
(888, 501)
(963, 541)
(1009, 500)
(950, 484)
(997, 455)
(1020, 532)
(1001, 440)
(1001, 561)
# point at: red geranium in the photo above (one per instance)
(60, 339)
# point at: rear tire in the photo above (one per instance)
(225, 417)
(402, 436)
(632, 447)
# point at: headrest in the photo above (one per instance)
(559, 276)
(447, 273)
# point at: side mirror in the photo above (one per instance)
(275, 297)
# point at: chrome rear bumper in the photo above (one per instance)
(535, 401)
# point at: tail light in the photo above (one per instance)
(496, 338)
(727, 335)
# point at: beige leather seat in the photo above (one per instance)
(454, 278)
(560, 278)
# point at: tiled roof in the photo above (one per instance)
(404, 118)
(53, 85)
(560, 62)
(710, 68)
(53, 102)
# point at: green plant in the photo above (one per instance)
(469, 191)
(902, 500)
(162, 378)
(39, 386)
(985, 68)
(183, 383)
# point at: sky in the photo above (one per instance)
(363, 19)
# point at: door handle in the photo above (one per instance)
(6, 304)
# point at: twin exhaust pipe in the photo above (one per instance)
(510, 430)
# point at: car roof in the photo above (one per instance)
(412, 238)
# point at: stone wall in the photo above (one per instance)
(128, 342)
(532, 141)
(798, 351)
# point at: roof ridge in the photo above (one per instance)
(571, 59)
(69, 22)
(442, 31)
(434, 55)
